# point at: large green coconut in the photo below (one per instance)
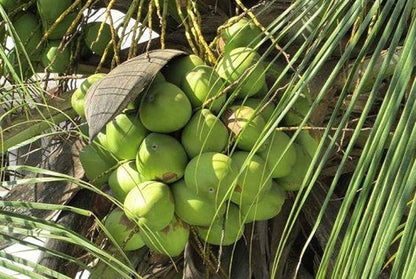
(29, 30)
(224, 231)
(204, 133)
(192, 208)
(98, 37)
(78, 97)
(263, 107)
(50, 10)
(165, 108)
(212, 176)
(97, 163)
(265, 208)
(254, 179)
(150, 204)
(124, 232)
(61, 28)
(242, 61)
(293, 181)
(245, 126)
(56, 59)
(176, 70)
(202, 83)
(123, 179)
(161, 157)
(170, 241)
(125, 133)
(240, 33)
(280, 164)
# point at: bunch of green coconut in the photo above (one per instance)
(185, 154)
(42, 35)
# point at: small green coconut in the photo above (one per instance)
(170, 241)
(97, 163)
(29, 30)
(293, 181)
(254, 179)
(245, 126)
(50, 10)
(192, 208)
(212, 176)
(204, 133)
(125, 133)
(150, 204)
(224, 231)
(263, 107)
(123, 179)
(161, 157)
(11, 5)
(280, 164)
(165, 108)
(176, 70)
(98, 36)
(60, 30)
(124, 232)
(56, 59)
(265, 208)
(240, 33)
(202, 83)
(78, 97)
(242, 61)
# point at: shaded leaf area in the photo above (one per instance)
(110, 95)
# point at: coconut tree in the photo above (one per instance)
(333, 122)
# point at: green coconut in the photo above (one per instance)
(293, 181)
(212, 176)
(78, 97)
(98, 36)
(97, 163)
(202, 83)
(176, 70)
(125, 133)
(263, 107)
(254, 179)
(161, 157)
(309, 140)
(29, 30)
(56, 59)
(204, 133)
(192, 208)
(123, 179)
(298, 111)
(224, 231)
(61, 28)
(150, 204)
(240, 33)
(20, 67)
(170, 241)
(242, 61)
(50, 10)
(245, 126)
(165, 108)
(265, 208)
(12, 5)
(124, 232)
(280, 164)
